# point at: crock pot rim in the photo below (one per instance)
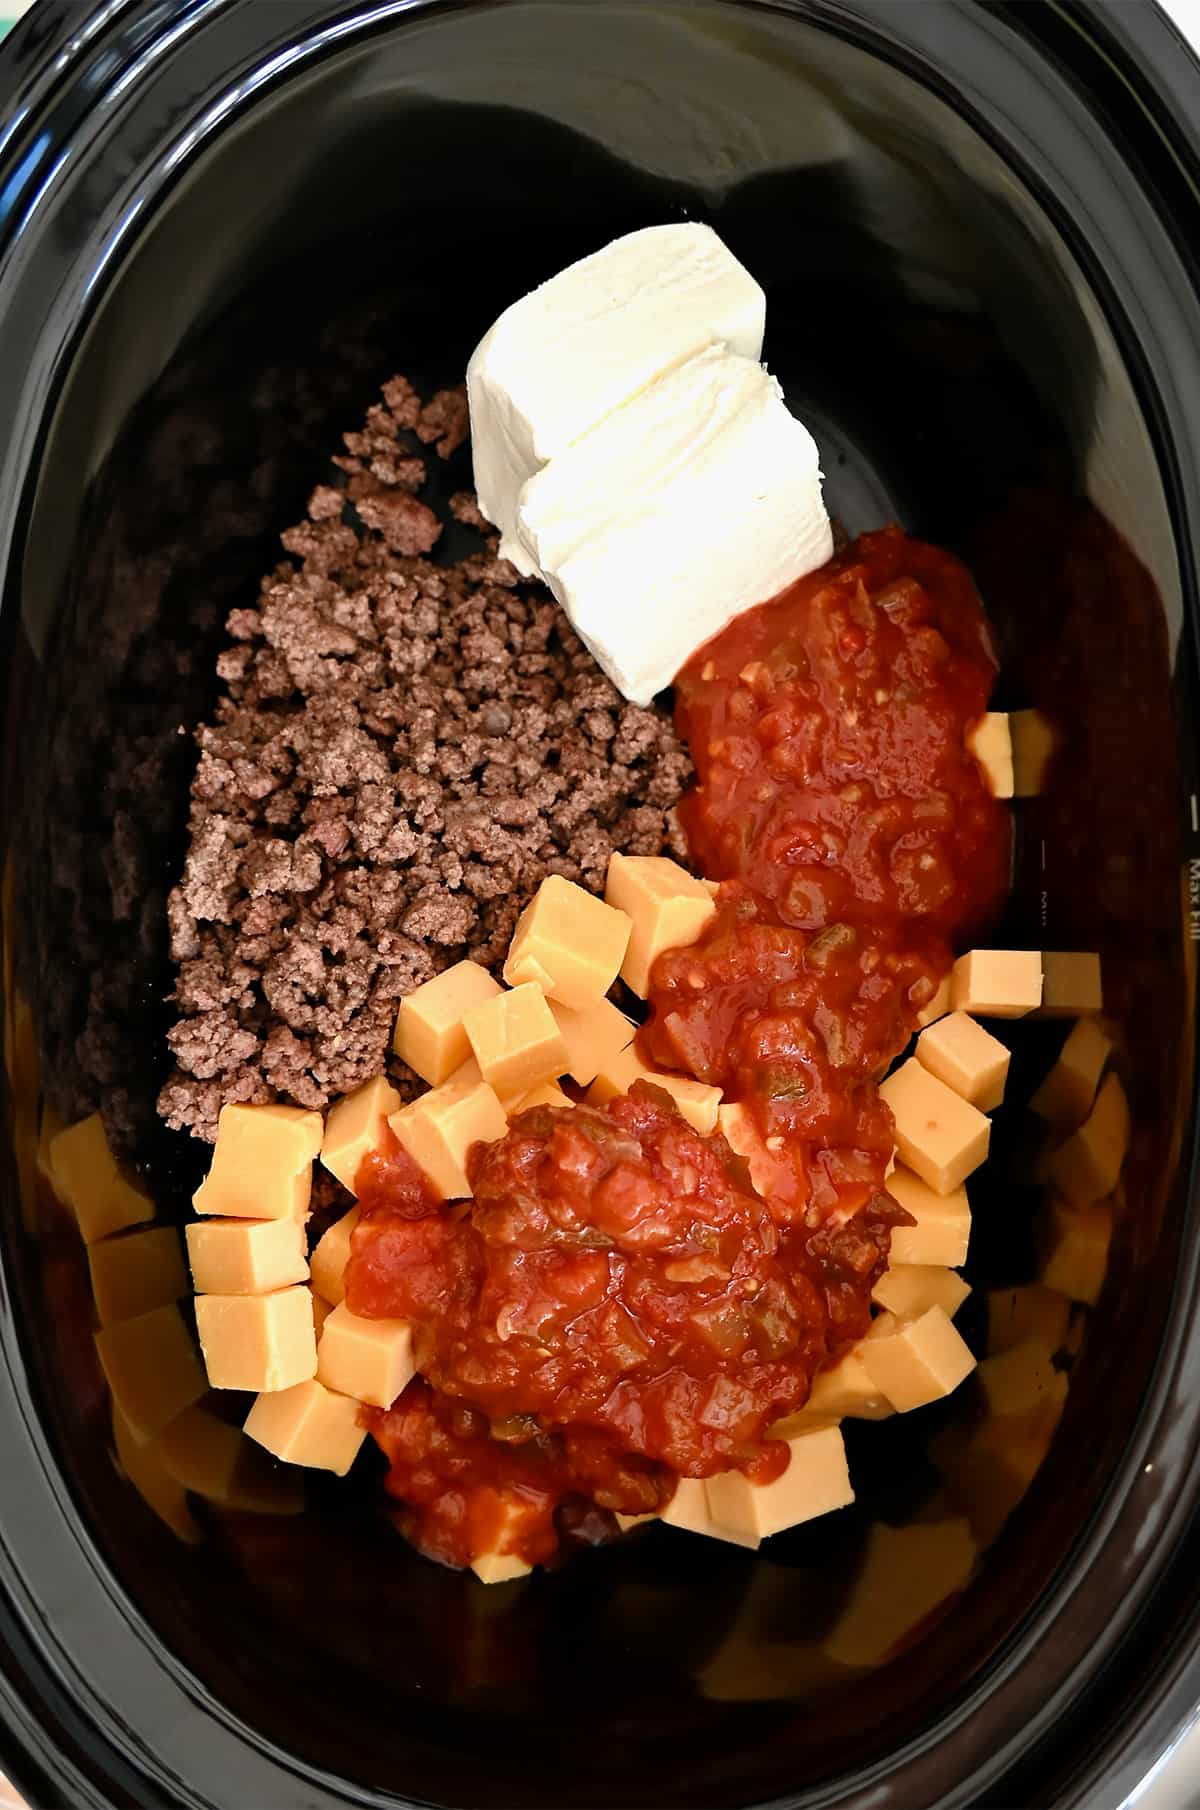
(45, 69)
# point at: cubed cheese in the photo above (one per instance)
(967, 1058)
(669, 908)
(429, 1032)
(515, 1040)
(1034, 740)
(136, 1272)
(1075, 1243)
(592, 1034)
(508, 1517)
(546, 1093)
(262, 1164)
(815, 1482)
(697, 1102)
(143, 1466)
(1031, 1311)
(321, 1312)
(909, 1289)
(1086, 1167)
(943, 1229)
(628, 526)
(440, 1129)
(257, 1342)
(368, 1359)
(246, 1256)
(569, 943)
(357, 1125)
(88, 1180)
(688, 1508)
(998, 983)
(308, 1425)
(1071, 984)
(907, 1573)
(565, 356)
(1019, 1379)
(1065, 1097)
(771, 1171)
(938, 1006)
(914, 1362)
(939, 1135)
(152, 1370)
(846, 1389)
(213, 1459)
(990, 742)
(330, 1258)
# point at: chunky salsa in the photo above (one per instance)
(625, 1301)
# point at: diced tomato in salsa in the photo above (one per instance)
(828, 728)
(626, 1301)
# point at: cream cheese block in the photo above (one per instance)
(694, 501)
(566, 355)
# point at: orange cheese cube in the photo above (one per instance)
(368, 1359)
(1029, 1312)
(668, 909)
(1075, 1243)
(509, 1516)
(441, 1128)
(688, 1508)
(938, 1006)
(546, 1093)
(767, 1163)
(152, 1369)
(88, 1179)
(1065, 1097)
(910, 1289)
(1087, 1166)
(515, 1040)
(262, 1163)
(568, 943)
(212, 1459)
(136, 1272)
(358, 1125)
(593, 1036)
(332, 1254)
(815, 1482)
(499, 1567)
(1071, 984)
(967, 1058)
(143, 1466)
(846, 1389)
(50, 1124)
(698, 1104)
(990, 741)
(940, 1136)
(321, 1312)
(1018, 1380)
(914, 1362)
(906, 1574)
(429, 1033)
(997, 983)
(308, 1425)
(1034, 740)
(246, 1256)
(943, 1229)
(257, 1342)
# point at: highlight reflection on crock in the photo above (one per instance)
(644, 1202)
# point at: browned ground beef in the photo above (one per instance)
(401, 753)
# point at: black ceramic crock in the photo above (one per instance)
(222, 222)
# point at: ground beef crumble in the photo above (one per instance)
(402, 752)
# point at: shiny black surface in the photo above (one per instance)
(979, 319)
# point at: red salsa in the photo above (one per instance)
(626, 1301)
(827, 730)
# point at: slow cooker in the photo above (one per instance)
(222, 223)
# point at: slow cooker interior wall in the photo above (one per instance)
(938, 348)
